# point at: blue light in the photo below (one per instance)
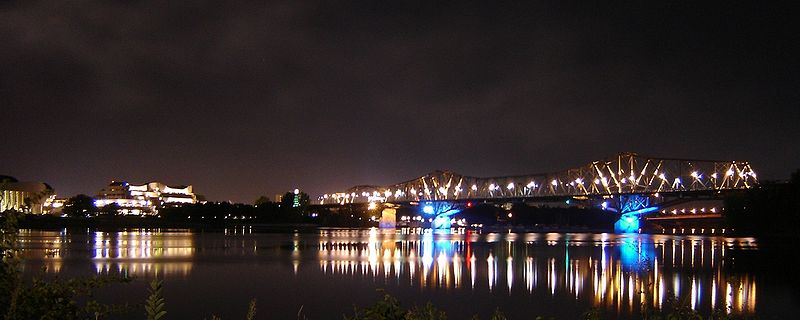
(634, 254)
(441, 222)
(642, 211)
(441, 211)
(628, 223)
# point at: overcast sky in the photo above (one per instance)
(244, 99)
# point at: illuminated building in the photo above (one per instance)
(23, 196)
(54, 205)
(144, 199)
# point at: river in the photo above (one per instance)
(325, 273)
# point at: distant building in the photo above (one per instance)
(23, 196)
(144, 199)
(54, 205)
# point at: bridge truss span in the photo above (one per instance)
(624, 173)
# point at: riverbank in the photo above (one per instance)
(122, 222)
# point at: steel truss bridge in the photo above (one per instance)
(622, 175)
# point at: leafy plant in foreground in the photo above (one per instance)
(154, 306)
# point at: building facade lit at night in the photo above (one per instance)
(144, 199)
(23, 196)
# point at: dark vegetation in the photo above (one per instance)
(770, 209)
(41, 298)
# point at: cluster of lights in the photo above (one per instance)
(652, 177)
(692, 210)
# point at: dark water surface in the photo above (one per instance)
(321, 275)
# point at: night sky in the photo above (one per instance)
(249, 99)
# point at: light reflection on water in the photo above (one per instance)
(128, 252)
(617, 272)
(614, 272)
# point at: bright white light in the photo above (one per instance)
(694, 174)
(714, 175)
(443, 190)
(531, 185)
(596, 181)
(624, 180)
(296, 191)
(491, 186)
(428, 209)
(729, 173)
(554, 182)
(510, 186)
(387, 193)
(413, 191)
(579, 181)
(474, 188)
(662, 176)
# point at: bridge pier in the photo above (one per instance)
(632, 208)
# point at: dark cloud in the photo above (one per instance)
(243, 99)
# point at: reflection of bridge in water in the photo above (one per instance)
(628, 183)
(613, 271)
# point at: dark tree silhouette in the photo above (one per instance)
(288, 201)
(769, 208)
(262, 200)
(80, 206)
(111, 210)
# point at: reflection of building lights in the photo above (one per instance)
(386, 256)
